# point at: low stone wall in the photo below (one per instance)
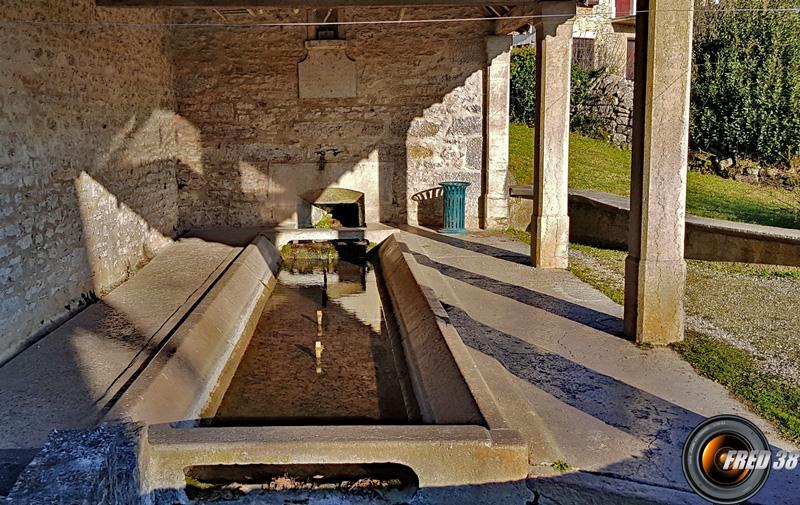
(602, 219)
(187, 377)
(599, 219)
(520, 209)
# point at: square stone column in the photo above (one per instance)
(498, 99)
(550, 223)
(655, 272)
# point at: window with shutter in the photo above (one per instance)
(630, 59)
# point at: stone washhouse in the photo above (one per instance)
(123, 128)
(129, 127)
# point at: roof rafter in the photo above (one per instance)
(506, 26)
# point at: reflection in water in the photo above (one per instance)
(362, 376)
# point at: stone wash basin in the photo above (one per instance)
(236, 392)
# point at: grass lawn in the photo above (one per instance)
(743, 321)
(738, 333)
(597, 165)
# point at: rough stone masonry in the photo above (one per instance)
(415, 119)
(118, 137)
(87, 180)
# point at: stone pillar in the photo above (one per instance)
(498, 96)
(655, 272)
(550, 223)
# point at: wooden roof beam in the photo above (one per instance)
(563, 9)
(248, 4)
(506, 26)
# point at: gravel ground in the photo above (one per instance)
(755, 308)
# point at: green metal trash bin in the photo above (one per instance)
(454, 198)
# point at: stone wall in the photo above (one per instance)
(614, 92)
(415, 117)
(610, 44)
(87, 136)
(602, 220)
(615, 103)
(116, 137)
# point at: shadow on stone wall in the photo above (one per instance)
(86, 180)
(141, 141)
(123, 140)
(417, 115)
(430, 207)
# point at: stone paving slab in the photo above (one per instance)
(584, 395)
(67, 379)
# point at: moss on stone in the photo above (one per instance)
(417, 152)
(313, 251)
(561, 466)
(324, 223)
(192, 482)
(522, 236)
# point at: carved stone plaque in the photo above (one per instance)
(327, 71)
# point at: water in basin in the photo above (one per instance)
(361, 374)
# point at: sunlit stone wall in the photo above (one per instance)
(117, 133)
(415, 119)
(88, 139)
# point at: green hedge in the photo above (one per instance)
(523, 85)
(745, 85)
(523, 94)
(746, 81)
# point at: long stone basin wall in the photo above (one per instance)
(187, 377)
(463, 450)
(442, 393)
(465, 441)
